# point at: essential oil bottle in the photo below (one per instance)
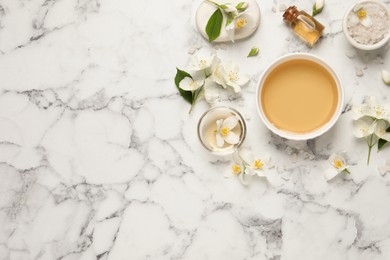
(303, 25)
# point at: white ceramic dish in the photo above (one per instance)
(300, 136)
(363, 46)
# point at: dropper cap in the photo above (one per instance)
(291, 13)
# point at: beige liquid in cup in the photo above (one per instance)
(299, 96)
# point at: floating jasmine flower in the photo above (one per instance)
(339, 165)
(224, 131)
(233, 78)
(386, 77)
(361, 16)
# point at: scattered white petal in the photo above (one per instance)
(330, 173)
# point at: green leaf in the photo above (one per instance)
(180, 75)
(254, 51)
(317, 11)
(213, 27)
(382, 142)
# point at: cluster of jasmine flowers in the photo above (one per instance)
(207, 75)
(372, 122)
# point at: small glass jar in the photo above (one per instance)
(303, 25)
(208, 129)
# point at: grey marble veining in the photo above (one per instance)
(99, 158)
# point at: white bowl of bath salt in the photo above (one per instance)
(366, 25)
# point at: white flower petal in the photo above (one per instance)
(218, 74)
(363, 127)
(186, 84)
(330, 174)
(366, 22)
(230, 29)
(232, 138)
(234, 85)
(243, 178)
(386, 77)
(230, 122)
(380, 130)
(360, 111)
(200, 62)
(250, 171)
(219, 124)
(242, 79)
(219, 140)
(338, 158)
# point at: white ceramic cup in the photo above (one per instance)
(300, 136)
(360, 46)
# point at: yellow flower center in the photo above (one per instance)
(258, 164)
(240, 23)
(225, 131)
(236, 169)
(233, 76)
(361, 14)
(379, 110)
(337, 163)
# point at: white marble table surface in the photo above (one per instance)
(100, 160)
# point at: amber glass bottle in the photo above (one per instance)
(303, 25)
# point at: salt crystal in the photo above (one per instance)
(273, 9)
(359, 72)
(192, 50)
(350, 53)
